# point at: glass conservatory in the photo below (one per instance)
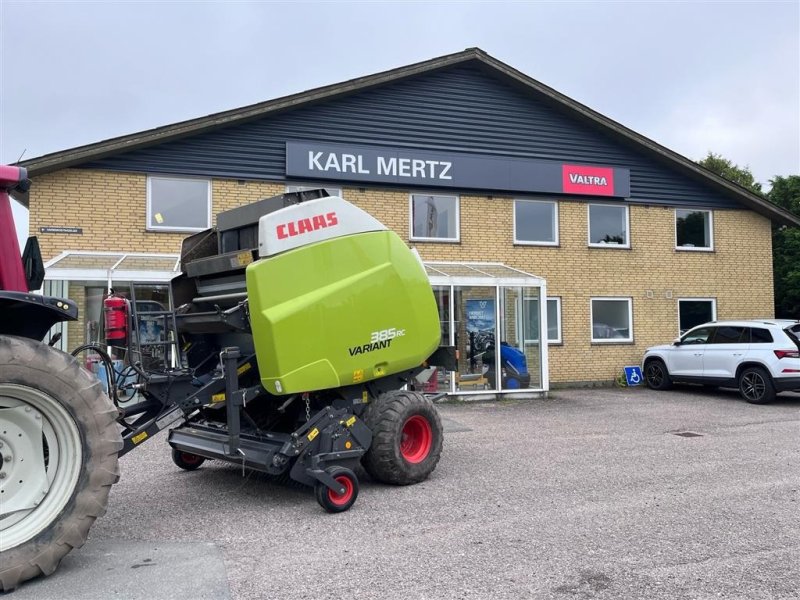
(494, 315)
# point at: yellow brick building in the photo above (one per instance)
(633, 241)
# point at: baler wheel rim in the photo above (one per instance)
(342, 499)
(332, 501)
(416, 439)
(190, 458)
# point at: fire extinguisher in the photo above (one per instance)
(115, 309)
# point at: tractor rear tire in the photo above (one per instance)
(407, 438)
(60, 441)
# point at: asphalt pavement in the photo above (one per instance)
(608, 494)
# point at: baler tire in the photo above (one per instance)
(333, 502)
(407, 438)
(80, 442)
(186, 460)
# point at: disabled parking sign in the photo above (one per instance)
(633, 375)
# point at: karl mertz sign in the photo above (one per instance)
(452, 170)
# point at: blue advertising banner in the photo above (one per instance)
(480, 315)
(480, 325)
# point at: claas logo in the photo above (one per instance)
(301, 226)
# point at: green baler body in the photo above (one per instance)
(340, 311)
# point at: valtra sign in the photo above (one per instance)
(592, 181)
(423, 168)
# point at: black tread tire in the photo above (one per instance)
(769, 388)
(386, 417)
(35, 365)
(664, 383)
(181, 459)
(321, 491)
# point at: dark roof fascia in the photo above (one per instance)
(75, 156)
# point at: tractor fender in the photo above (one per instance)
(32, 315)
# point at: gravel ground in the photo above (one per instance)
(588, 494)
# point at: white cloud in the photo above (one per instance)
(748, 112)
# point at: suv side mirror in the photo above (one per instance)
(33, 264)
(676, 342)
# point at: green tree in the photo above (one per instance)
(728, 170)
(785, 192)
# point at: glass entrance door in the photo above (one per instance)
(476, 332)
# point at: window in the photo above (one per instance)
(727, 334)
(434, 217)
(693, 229)
(535, 222)
(760, 336)
(611, 320)
(175, 204)
(608, 226)
(553, 321)
(695, 311)
(332, 191)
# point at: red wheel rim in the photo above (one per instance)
(416, 439)
(341, 499)
(190, 459)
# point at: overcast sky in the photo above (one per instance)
(693, 76)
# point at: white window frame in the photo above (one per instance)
(627, 340)
(304, 187)
(149, 210)
(411, 235)
(550, 342)
(627, 243)
(555, 241)
(709, 248)
(713, 310)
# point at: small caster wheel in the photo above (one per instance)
(332, 501)
(186, 460)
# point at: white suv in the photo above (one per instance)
(760, 357)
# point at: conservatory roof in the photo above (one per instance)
(479, 274)
(119, 266)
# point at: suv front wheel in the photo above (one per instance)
(755, 386)
(656, 375)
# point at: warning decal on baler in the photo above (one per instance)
(312, 434)
(244, 368)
